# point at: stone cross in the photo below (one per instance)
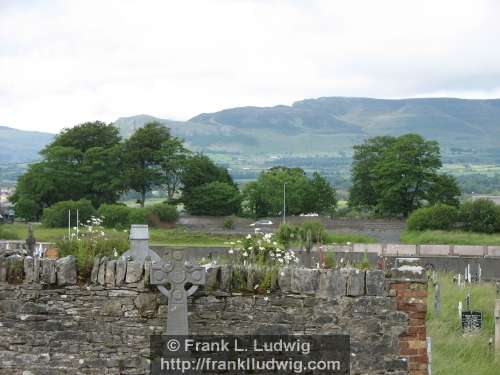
(177, 279)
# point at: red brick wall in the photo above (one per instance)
(411, 298)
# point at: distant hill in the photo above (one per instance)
(331, 124)
(313, 126)
(19, 146)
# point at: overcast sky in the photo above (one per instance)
(66, 62)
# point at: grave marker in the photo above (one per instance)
(497, 327)
(172, 278)
(437, 300)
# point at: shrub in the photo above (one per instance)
(115, 215)
(228, 223)
(139, 215)
(165, 212)
(215, 199)
(27, 209)
(438, 217)
(330, 261)
(89, 242)
(316, 228)
(57, 215)
(481, 215)
(287, 233)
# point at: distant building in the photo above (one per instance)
(494, 198)
(5, 193)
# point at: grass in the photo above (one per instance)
(452, 351)
(449, 237)
(179, 236)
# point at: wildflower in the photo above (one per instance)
(266, 298)
(245, 254)
(231, 251)
(249, 237)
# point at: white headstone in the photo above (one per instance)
(479, 273)
(460, 308)
(459, 280)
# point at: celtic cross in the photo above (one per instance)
(177, 279)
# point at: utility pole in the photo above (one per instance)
(284, 203)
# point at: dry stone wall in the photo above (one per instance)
(49, 324)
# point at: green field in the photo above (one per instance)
(179, 236)
(449, 237)
(454, 353)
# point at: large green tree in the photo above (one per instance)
(396, 175)
(265, 197)
(82, 162)
(203, 181)
(143, 158)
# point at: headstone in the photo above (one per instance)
(139, 245)
(172, 277)
(472, 321)
(497, 326)
(460, 309)
(437, 300)
(479, 273)
(30, 241)
(429, 355)
(459, 280)
(467, 301)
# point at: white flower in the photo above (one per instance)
(231, 251)
(245, 254)
(271, 254)
(249, 237)
(280, 260)
(275, 243)
(266, 298)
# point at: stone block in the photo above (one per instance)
(121, 272)
(212, 277)
(285, 279)
(305, 280)
(375, 283)
(147, 304)
(48, 274)
(332, 284)
(400, 249)
(101, 277)
(368, 247)
(434, 249)
(134, 272)
(110, 272)
(28, 269)
(95, 270)
(66, 270)
(355, 282)
(37, 269)
(226, 277)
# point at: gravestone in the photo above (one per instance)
(497, 327)
(472, 321)
(139, 245)
(177, 279)
(30, 241)
(437, 300)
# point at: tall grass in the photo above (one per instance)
(452, 351)
(449, 237)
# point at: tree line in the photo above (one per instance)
(92, 162)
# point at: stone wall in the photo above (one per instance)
(51, 325)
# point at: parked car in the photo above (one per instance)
(261, 222)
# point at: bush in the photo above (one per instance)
(115, 215)
(287, 233)
(215, 199)
(228, 223)
(139, 215)
(56, 216)
(27, 209)
(481, 215)
(316, 228)
(438, 217)
(165, 212)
